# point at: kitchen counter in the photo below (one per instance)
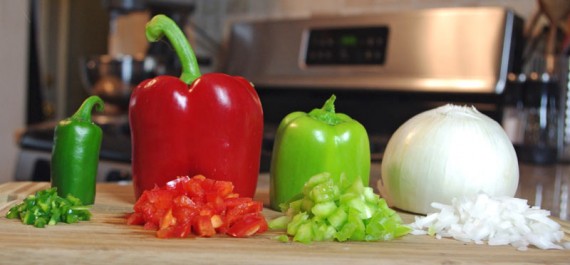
(107, 239)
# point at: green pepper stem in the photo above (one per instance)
(84, 111)
(328, 107)
(161, 25)
(327, 113)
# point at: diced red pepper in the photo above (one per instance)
(203, 226)
(197, 205)
(167, 220)
(216, 203)
(222, 189)
(248, 225)
(235, 201)
(150, 226)
(135, 219)
(174, 231)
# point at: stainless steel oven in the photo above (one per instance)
(384, 68)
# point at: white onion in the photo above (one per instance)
(444, 153)
(496, 221)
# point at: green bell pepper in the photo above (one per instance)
(307, 144)
(75, 153)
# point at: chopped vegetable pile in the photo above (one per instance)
(197, 206)
(47, 208)
(327, 211)
(497, 221)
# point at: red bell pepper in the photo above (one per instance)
(209, 124)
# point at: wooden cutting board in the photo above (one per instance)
(107, 239)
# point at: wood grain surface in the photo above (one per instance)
(107, 239)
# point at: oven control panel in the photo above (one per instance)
(346, 46)
(424, 50)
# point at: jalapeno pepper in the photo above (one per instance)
(309, 144)
(75, 153)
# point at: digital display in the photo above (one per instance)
(347, 46)
(348, 40)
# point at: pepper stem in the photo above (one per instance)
(329, 105)
(161, 25)
(327, 113)
(84, 111)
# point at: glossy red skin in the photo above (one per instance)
(213, 127)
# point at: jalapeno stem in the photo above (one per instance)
(84, 112)
(161, 25)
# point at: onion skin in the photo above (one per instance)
(447, 152)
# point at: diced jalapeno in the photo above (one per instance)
(47, 208)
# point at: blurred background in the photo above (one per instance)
(55, 53)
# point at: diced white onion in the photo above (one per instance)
(494, 220)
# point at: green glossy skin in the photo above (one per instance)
(313, 143)
(75, 154)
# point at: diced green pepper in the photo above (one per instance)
(349, 212)
(280, 222)
(282, 238)
(307, 204)
(304, 233)
(324, 192)
(296, 222)
(324, 209)
(338, 218)
(354, 217)
(345, 232)
(324, 232)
